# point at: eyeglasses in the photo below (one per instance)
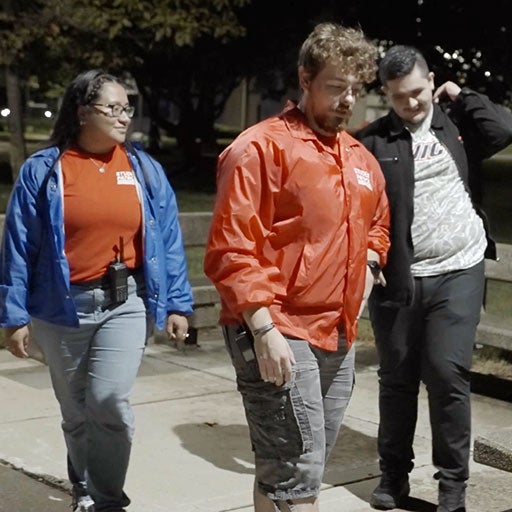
(115, 110)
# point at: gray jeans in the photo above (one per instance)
(293, 427)
(93, 369)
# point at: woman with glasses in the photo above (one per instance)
(92, 259)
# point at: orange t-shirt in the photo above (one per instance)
(100, 206)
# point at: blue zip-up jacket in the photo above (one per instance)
(34, 271)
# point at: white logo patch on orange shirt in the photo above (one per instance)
(363, 178)
(125, 178)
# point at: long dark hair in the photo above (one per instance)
(83, 90)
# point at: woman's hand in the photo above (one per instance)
(177, 327)
(16, 340)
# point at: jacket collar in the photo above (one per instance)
(438, 117)
(296, 122)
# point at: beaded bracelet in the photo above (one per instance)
(264, 329)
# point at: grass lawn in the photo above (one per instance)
(191, 201)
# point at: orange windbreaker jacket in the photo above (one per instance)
(291, 226)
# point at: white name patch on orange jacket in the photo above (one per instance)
(363, 178)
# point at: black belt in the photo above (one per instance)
(103, 282)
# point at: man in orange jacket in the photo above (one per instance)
(298, 236)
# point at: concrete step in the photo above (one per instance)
(494, 448)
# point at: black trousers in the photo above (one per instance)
(430, 341)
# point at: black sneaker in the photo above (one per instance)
(390, 491)
(452, 498)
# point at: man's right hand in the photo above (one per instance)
(275, 357)
(16, 340)
(448, 90)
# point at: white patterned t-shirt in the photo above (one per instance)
(447, 233)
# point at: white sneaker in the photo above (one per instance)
(83, 504)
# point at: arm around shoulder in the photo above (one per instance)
(493, 122)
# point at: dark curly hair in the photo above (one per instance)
(83, 90)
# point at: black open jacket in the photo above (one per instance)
(472, 128)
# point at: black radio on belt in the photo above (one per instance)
(118, 277)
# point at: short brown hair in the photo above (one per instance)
(331, 42)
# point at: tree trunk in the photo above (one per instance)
(18, 152)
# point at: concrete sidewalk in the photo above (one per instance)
(191, 451)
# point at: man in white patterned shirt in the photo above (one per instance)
(425, 319)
